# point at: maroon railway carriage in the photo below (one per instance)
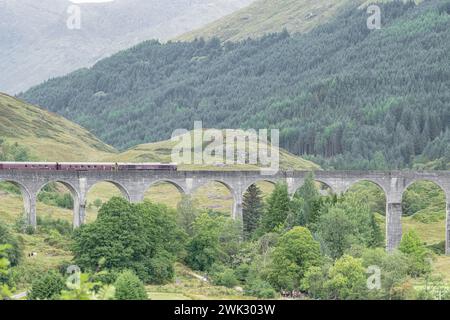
(82, 166)
(28, 166)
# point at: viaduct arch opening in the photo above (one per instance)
(11, 193)
(374, 195)
(424, 212)
(215, 195)
(166, 192)
(57, 200)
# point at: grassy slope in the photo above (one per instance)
(48, 136)
(161, 152)
(268, 16)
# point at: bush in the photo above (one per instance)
(129, 287)
(47, 286)
(412, 246)
(15, 252)
(426, 216)
(260, 289)
(46, 224)
(56, 199)
(223, 276)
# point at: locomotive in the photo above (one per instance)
(85, 166)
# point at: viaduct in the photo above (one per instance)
(134, 184)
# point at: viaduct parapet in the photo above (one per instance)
(134, 184)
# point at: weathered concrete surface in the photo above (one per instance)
(134, 184)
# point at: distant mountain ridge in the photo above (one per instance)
(35, 43)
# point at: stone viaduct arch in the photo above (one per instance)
(134, 184)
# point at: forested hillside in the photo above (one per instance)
(345, 95)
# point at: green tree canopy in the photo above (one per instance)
(295, 252)
(142, 237)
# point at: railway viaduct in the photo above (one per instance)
(134, 184)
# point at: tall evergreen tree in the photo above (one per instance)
(309, 193)
(252, 208)
(278, 206)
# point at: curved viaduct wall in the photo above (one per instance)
(134, 184)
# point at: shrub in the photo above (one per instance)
(260, 289)
(46, 224)
(412, 246)
(15, 251)
(224, 276)
(129, 287)
(47, 286)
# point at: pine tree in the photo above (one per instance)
(309, 193)
(252, 209)
(278, 206)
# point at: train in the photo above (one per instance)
(85, 166)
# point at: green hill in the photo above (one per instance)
(161, 152)
(350, 97)
(47, 136)
(269, 16)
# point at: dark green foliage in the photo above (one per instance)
(252, 208)
(47, 224)
(260, 289)
(129, 287)
(437, 248)
(277, 210)
(424, 199)
(47, 286)
(224, 276)
(394, 268)
(142, 237)
(50, 195)
(295, 252)
(187, 213)
(348, 96)
(347, 222)
(413, 246)
(308, 210)
(15, 251)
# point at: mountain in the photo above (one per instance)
(269, 16)
(36, 44)
(346, 96)
(47, 136)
